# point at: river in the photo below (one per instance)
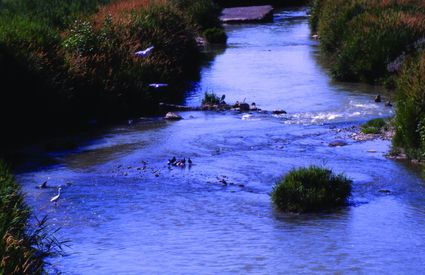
(125, 212)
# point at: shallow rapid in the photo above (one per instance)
(124, 211)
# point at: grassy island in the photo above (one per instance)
(311, 189)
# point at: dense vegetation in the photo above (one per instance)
(379, 41)
(232, 3)
(410, 115)
(22, 250)
(311, 189)
(71, 61)
(375, 126)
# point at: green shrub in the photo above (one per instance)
(211, 99)
(315, 9)
(215, 36)
(333, 21)
(410, 110)
(374, 126)
(311, 189)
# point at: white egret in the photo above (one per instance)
(56, 198)
(145, 52)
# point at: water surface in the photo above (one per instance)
(125, 212)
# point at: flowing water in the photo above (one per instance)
(125, 212)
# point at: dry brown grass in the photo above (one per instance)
(120, 10)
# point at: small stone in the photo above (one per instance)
(278, 112)
(172, 116)
(337, 143)
(244, 107)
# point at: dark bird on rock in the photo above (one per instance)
(172, 161)
(378, 98)
(43, 185)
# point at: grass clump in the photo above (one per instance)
(311, 189)
(22, 250)
(211, 99)
(374, 126)
(215, 36)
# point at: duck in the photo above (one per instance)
(172, 161)
(378, 98)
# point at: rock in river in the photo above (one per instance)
(172, 116)
(278, 112)
(244, 107)
(338, 143)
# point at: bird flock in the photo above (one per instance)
(179, 163)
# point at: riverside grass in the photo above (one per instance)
(23, 248)
(382, 42)
(310, 189)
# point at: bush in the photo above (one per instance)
(211, 99)
(410, 110)
(215, 36)
(311, 189)
(374, 126)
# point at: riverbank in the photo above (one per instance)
(23, 245)
(380, 42)
(63, 69)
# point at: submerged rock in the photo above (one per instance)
(244, 107)
(172, 116)
(278, 112)
(338, 143)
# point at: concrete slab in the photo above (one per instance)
(247, 14)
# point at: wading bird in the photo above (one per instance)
(56, 198)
